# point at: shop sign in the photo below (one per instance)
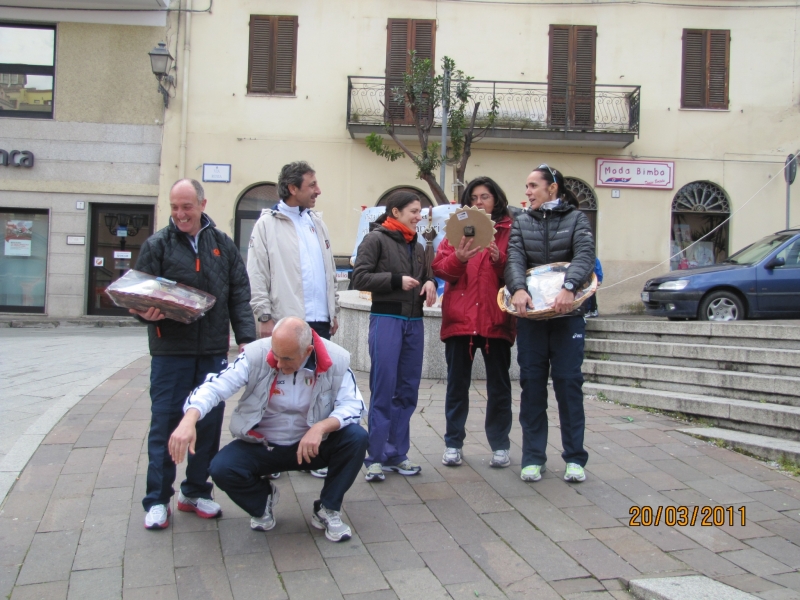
(657, 175)
(16, 158)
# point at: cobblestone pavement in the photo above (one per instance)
(72, 525)
(44, 373)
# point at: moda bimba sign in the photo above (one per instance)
(657, 175)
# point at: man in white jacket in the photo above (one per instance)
(290, 261)
(301, 409)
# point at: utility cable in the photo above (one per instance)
(761, 189)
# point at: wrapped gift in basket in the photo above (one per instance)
(544, 284)
(177, 301)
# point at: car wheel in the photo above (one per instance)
(721, 306)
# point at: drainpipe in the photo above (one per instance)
(185, 93)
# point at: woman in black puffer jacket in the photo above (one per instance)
(551, 230)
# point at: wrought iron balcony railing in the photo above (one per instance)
(521, 106)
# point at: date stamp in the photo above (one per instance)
(709, 516)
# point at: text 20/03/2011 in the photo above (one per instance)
(682, 516)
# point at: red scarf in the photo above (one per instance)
(393, 224)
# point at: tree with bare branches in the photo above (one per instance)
(422, 94)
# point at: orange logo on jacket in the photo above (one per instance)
(216, 252)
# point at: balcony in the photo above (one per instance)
(527, 113)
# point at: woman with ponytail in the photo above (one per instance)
(551, 230)
(391, 265)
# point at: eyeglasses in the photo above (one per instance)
(482, 197)
(552, 171)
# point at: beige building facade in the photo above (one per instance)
(94, 141)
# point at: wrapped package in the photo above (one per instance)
(177, 301)
(544, 283)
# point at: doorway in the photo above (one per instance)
(116, 236)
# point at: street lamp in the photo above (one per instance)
(160, 62)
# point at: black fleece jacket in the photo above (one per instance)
(539, 237)
(217, 268)
(383, 258)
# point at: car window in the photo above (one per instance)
(756, 252)
(790, 255)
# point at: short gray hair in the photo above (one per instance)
(292, 174)
(198, 189)
(300, 328)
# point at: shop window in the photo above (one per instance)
(587, 200)
(424, 200)
(248, 209)
(698, 210)
(273, 55)
(706, 68)
(23, 263)
(27, 70)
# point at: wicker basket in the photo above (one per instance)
(583, 293)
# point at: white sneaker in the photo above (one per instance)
(320, 473)
(331, 521)
(451, 457)
(375, 473)
(157, 517)
(500, 459)
(202, 507)
(267, 520)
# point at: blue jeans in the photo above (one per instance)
(542, 346)
(323, 329)
(240, 468)
(172, 378)
(459, 352)
(395, 349)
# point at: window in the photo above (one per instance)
(587, 200)
(403, 36)
(790, 256)
(248, 210)
(23, 261)
(27, 70)
(273, 55)
(698, 210)
(570, 89)
(706, 61)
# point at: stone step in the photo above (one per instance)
(783, 334)
(766, 361)
(771, 448)
(692, 587)
(777, 389)
(753, 417)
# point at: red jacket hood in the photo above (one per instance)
(324, 361)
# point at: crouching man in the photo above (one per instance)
(300, 410)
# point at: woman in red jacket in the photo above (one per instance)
(471, 320)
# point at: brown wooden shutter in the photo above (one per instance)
(558, 74)
(273, 54)
(718, 61)
(571, 76)
(285, 55)
(260, 43)
(397, 60)
(706, 67)
(404, 35)
(584, 39)
(694, 69)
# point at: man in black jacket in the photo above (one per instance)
(551, 230)
(191, 251)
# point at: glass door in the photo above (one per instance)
(117, 234)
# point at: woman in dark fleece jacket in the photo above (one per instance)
(391, 265)
(551, 230)
(472, 322)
